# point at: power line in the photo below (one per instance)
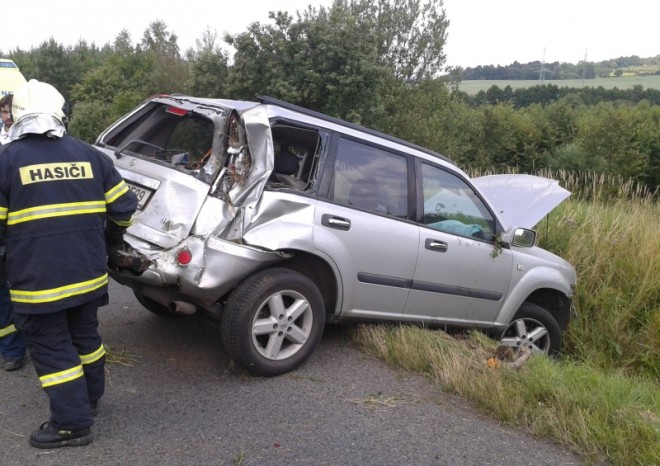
(543, 69)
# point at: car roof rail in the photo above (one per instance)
(321, 116)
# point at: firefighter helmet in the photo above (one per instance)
(36, 97)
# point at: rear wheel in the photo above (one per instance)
(273, 321)
(152, 306)
(533, 328)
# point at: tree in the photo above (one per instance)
(410, 35)
(611, 135)
(49, 63)
(321, 61)
(110, 90)
(350, 60)
(168, 71)
(208, 68)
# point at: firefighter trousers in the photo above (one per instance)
(69, 358)
(12, 345)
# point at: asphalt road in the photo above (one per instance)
(182, 402)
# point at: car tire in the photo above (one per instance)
(273, 321)
(533, 328)
(152, 306)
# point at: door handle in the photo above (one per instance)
(436, 245)
(338, 223)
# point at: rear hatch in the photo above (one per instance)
(170, 150)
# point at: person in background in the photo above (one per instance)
(63, 210)
(5, 107)
(12, 345)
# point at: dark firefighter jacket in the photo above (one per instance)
(55, 197)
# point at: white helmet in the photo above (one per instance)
(36, 97)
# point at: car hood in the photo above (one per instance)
(521, 200)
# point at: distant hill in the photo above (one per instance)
(622, 66)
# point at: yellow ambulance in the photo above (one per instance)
(10, 77)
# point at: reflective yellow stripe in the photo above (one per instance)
(3, 213)
(55, 210)
(115, 192)
(122, 223)
(7, 331)
(55, 294)
(93, 357)
(57, 378)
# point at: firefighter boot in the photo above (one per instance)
(49, 437)
(12, 364)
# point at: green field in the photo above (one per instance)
(621, 82)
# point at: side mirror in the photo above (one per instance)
(524, 238)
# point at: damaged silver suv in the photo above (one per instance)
(275, 220)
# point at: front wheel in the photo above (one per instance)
(273, 321)
(533, 328)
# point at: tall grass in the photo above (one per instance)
(609, 229)
(601, 188)
(611, 235)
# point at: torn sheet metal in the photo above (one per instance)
(242, 197)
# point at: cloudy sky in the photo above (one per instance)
(481, 32)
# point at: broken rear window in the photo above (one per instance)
(167, 134)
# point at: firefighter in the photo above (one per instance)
(12, 345)
(63, 209)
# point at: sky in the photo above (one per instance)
(481, 32)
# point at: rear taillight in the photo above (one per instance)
(184, 257)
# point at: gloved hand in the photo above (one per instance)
(125, 257)
(113, 244)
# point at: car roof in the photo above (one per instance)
(339, 122)
(279, 108)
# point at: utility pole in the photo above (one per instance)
(584, 67)
(543, 69)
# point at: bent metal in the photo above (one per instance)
(55, 171)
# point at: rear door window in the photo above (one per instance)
(297, 151)
(370, 178)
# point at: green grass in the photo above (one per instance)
(620, 82)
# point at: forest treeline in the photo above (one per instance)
(557, 70)
(378, 63)
(549, 93)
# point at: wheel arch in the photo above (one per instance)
(320, 272)
(555, 302)
(544, 286)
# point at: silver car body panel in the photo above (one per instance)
(460, 285)
(174, 203)
(376, 285)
